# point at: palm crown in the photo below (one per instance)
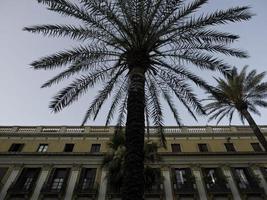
(161, 37)
(140, 50)
(237, 92)
(240, 92)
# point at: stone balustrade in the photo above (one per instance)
(110, 129)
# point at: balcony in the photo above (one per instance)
(184, 185)
(155, 192)
(264, 172)
(48, 191)
(113, 192)
(90, 192)
(217, 189)
(185, 189)
(248, 187)
(18, 191)
(251, 188)
(24, 186)
(216, 183)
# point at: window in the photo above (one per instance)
(42, 148)
(68, 147)
(27, 178)
(3, 171)
(95, 148)
(242, 178)
(59, 177)
(203, 147)
(57, 183)
(256, 147)
(229, 147)
(210, 177)
(176, 147)
(16, 147)
(87, 178)
(182, 176)
(264, 172)
(179, 176)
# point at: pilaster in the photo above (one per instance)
(12, 177)
(167, 183)
(103, 185)
(40, 182)
(258, 173)
(72, 182)
(199, 182)
(227, 172)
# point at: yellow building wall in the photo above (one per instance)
(189, 144)
(55, 145)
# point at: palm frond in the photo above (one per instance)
(71, 31)
(69, 56)
(168, 98)
(122, 111)
(116, 100)
(76, 89)
(101, 98)
(236, 14)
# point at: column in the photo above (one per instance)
(103, 185)
(72, 182)
(199, 183)
(227, 172)
(263, 182)
(12, 177)
(167, 183)
(40, 182)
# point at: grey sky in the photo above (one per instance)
(22, 101)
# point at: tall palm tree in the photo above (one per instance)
(139, 50)
(241, 92)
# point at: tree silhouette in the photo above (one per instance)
(139, 50)
(239, 92)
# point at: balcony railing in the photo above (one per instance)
(218, 188)
(186, 188)
(217, 185)
(17, 190)
(155, 192)
(48, 191)
(252, 187)
(91, 192)
(169, 130)
(264, 172)
(113, 192)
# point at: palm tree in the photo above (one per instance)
(114, 162)
(239, 92)
(139, 50)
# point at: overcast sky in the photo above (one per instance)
(22, 101)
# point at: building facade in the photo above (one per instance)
(205, 163)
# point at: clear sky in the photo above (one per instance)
(22, 101)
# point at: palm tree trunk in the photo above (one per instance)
(255, 128)
(133, 183)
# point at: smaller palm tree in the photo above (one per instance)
(239, 92)
(114, 163)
